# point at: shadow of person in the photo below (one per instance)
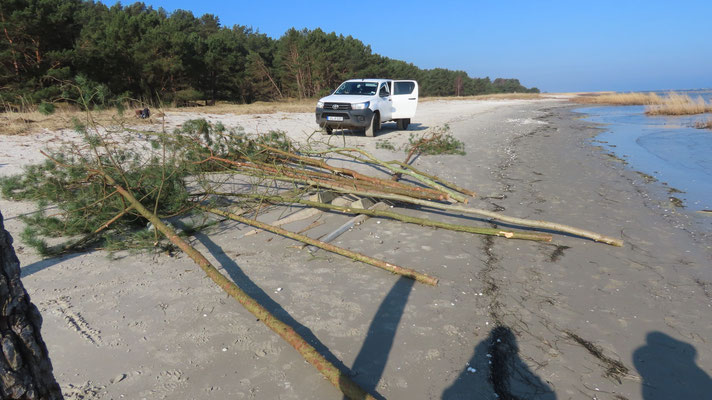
(668, 369)
(371, 359)
(496, 371)
(243, 281)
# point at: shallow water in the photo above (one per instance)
(667, 148)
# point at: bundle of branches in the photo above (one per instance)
(309, 169)
(70, 186)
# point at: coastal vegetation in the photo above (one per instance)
(677, 104)
(52, 50)
(621, 99)
(668, 104)
(707, 124)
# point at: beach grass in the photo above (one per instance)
(259, 107)
(30, 119)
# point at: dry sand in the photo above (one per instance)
(567, 320)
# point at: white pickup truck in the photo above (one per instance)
(366, 103)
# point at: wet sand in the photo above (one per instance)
(563, 320)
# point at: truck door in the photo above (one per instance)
(405, 99)
(384, 96)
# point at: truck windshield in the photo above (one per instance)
(365, 88)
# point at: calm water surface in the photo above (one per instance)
(668, 148)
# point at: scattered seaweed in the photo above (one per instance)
(677, 202)
(614, 369)
(558, 253)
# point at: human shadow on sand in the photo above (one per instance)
(669, 371)
(371, 359)
(246, 284)
(495, 371)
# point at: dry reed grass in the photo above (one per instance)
(623, 99)
(677, 104)
(669, 104)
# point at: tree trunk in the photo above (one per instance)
(25, 367)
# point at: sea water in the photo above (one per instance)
(668, 148)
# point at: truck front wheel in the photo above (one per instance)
(374, 125)
(403, 123)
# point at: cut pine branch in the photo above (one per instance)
(337, 378)
(435, 178)
(324, 180)
(407, 272)
(287, 156)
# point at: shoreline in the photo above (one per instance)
(150, 325)
(662, 195)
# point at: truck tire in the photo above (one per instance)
(374, 125)
(328, 130)
(403, 123)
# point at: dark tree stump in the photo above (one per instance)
(25, 367)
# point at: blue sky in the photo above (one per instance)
(553, 45)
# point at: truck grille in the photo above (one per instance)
(337, 106)
(328, 114)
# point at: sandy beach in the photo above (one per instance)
(570, 319)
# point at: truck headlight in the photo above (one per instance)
(319, 104)
(360, 106)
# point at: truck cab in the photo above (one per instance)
(364, 104)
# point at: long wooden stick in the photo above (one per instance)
(407, 272)
(503, 218)
(329, 370)
(348, 225)
(506, 233)
(493, 215)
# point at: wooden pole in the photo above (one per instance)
(333, 374)
(505, 233)
(407, 272)
(491, 215)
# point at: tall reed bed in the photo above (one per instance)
(678, 104)
(669, 104)
(622, 99)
